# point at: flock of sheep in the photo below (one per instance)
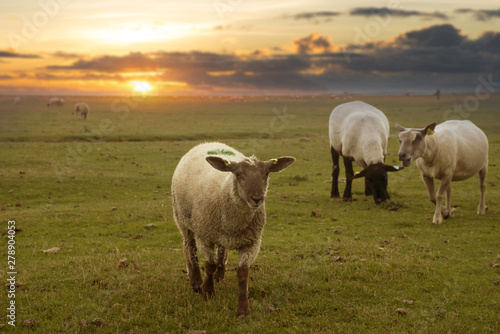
(81, 109)
(218, 194)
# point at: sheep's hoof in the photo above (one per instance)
(242, 310)
(197, 290)
(219, 276)
(347, 199)
(334, 195)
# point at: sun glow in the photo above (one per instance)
(141, 86)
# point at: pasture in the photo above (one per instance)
(99, 190)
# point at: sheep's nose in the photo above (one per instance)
(402, 156)
(256, 200)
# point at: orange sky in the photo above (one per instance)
(240, 46)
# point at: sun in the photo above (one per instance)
(141, 86)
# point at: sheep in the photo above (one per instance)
(55, 101)
(17, 100)
(451, 151)
(81, 108)
(218, 199)
(359, 132)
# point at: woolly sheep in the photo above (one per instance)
(450, 151)
(218, 198)
(55, 101)
(83, 109)
(359, 132)
(17, 100)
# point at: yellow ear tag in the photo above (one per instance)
(275, 161)
(356, 173)
(430, 132)
(227, 162)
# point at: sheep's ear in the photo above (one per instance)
(388, 168)
(277, 165)
(400, 128)
(429, 130)
(223, 165)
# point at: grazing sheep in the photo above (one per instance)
(83, 109)
(17, 100)
(218, 198)
(359, 132)
(451, 151)
(55, 101)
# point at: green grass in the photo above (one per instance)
(93, 188)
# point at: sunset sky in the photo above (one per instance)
(111, 47)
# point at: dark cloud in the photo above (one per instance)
(384, 11)
(479, 14)
(436, 36)
(8, 54)
(312, 43)
(313, 15)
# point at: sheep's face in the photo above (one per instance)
(251, 175)
(376, 180)
(412, 143)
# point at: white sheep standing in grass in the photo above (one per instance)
(83, 109)
(218, 198)
(55, 101)
(359, 132)
(17, 100)
(450, 151)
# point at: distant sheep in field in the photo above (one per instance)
(218, 198)
(83, 109)
(451, 151)
(17, 100)
(55, 101)
(359, 132)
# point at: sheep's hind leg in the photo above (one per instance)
(192, 261)
(335, 174)
(481, 209)
(221, 264)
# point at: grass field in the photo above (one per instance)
(99, 190)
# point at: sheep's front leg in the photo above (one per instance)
(446, 210)
(335, 174)
(192, 261)
(242, 309)
(429, 183)
(443, 187)
(349, 173)
(207, 287)
(481, 209)
(246, 257)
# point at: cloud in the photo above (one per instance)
(444, 35)
(479, 14)
(62, 54)
(384, 11)
(11, 54)
(436, 55)
(312, 43)
(313, 15)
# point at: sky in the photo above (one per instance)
(247, 47)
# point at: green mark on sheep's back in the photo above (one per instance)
(221, 151)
